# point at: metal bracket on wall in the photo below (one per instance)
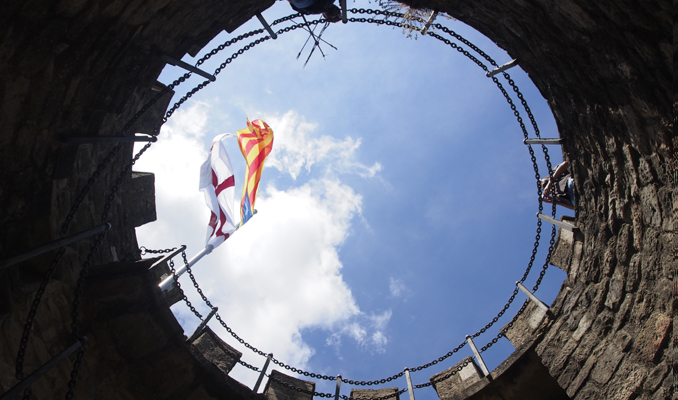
(502, 68)
(54, 245)
(202, 325)
(543, 141)
(266, 26)
(107, 139)
(429, 22)
(187, 67)
(532, 297)
(481, 363)
(26, 382)
(556, 222)
(344, 16)
(263, 372)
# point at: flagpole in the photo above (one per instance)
(167, 282)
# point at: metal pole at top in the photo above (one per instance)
(481, 363)
(336, 392)
(54, 245)
(202, 325)
(532, 297)
(502, 68)
(543, 141)
(263, 372)
(409, 383)
(26, 382)
(108, 139)
(166, 284)
(344, 17)
(556, 222)
(187, 67)
(266, 26)
(430, 20)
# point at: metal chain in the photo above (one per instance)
(375, 382)
(143, 251)
(109, 199)
(19, 373)
(388, 396)
(532, 156)
(516, 114)
(441, 359)
(67, 221)
(183, 295)
(246, 365)
(446, 376)
(74, 373)
(298, 389)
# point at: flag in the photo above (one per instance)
(218, 185)
(256, 142)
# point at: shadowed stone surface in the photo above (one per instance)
(521, 376)
(453, 386)
(216, 350)
(370, 394)
(605, 69)
(275, 390)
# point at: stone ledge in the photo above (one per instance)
(514, 379)
(450, 388)
(277, 391)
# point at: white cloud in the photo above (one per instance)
(281, 272)
(296, 149)
(396, 287)
(366, 330)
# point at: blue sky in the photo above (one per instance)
(396, 210)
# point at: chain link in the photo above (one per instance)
(248, 366)
(388, 396)
(298, 389)
(31, 314)
(74, 373)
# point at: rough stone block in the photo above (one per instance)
(138, 199)
(567, 249)
(216, 350)
(561, 256)
(154, 115)
(627, 382)
(607, 364)
(369, 394)
(616, 289)
(459, 381)
(282, 387)
(656, 377)
(562, 357)
(582, 376)
(523, 330)
(653, 336)
(584, 324)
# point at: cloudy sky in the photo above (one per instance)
(395, 213)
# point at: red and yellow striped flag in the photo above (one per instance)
(256, 142)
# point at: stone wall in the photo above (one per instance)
(85, 67)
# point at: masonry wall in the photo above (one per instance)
(85, 67)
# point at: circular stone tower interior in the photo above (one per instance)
(85, 68)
